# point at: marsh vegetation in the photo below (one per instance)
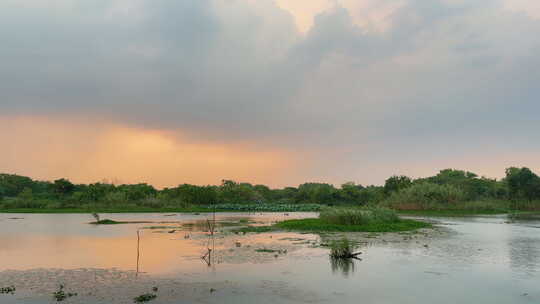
(367, 219)
(61, 295)
(343, 249)
(450, 191)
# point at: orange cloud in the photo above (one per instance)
(89, 151)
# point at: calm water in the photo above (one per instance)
(479, 260)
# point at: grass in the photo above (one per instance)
(61, 295)
(345, 220)
(343, 249)
(358, 216)
(267, 250)
(318, 225)
(8, 290)
(369, 219)
(144, 298)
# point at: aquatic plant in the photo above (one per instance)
(144, 298)
(8, 290)
(318, 225)
(358, 216)
(61, 295)
(106, 222)
(343, 249)
(266, 250)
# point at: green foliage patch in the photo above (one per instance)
(318, 225)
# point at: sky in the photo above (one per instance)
(278, 92)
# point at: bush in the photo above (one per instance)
(342, 249)
(359, 216)
(425, 196)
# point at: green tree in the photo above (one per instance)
(522, 183)
(26, 195)
(63, 186)
(316, 193)
(351, 193)
(396, 183)
(13, 184)
(137, 192)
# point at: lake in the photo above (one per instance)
(467, 260)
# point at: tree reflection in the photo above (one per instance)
(343, 266)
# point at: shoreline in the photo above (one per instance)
(440, 213)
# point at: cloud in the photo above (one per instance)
(51, 148)
(354, 80)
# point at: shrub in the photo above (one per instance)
(424, 196)
(343, 249)
(359, 216)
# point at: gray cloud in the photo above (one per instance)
(443, 77)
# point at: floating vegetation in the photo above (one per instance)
(144, 298)
(8, 290)
(343, 249)
(358, 216)
(61, 295)
(291, 239)
(266, 250)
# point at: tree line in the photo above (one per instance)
(447, 187)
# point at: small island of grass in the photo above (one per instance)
(347, 220)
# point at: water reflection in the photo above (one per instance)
(208, 256)
(344, 266)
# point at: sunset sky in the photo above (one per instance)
(278, 92)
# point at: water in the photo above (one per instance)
(476, 260)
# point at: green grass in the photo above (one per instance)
(8, 290)
(266, 250)
(144, 298)
(318, 225)
(345, 220)
(343, 249)
(358, 216)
